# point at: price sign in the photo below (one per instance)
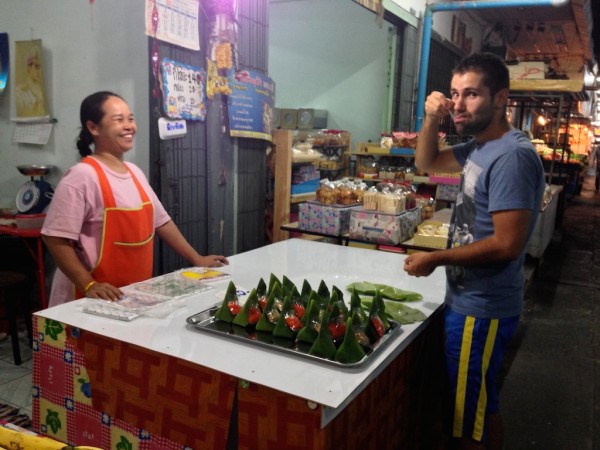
(184, 91)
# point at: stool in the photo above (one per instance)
(8, 281)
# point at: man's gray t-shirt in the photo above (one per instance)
(504, 174)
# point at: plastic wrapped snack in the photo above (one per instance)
(370, 199)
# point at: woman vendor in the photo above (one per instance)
(102, 220)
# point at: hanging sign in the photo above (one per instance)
(250, 104)
(174, 21)
(183, 88)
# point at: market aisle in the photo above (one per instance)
(550, 392)
(550, 395)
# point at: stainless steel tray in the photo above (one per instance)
(205, 321)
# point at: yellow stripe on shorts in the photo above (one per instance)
(485, 363)
(461, 384)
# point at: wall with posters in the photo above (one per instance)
(86, 48)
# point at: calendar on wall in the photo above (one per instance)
(32, 133)
(174, 21)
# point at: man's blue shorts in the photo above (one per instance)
(475, 349)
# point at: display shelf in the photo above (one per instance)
(283, 141)
(299, 198)
(444, 179)
(369, 148)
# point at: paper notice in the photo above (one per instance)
(32, 133)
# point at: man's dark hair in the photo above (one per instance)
(493, 68)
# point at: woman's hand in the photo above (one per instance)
(104, 291)
(213, 261)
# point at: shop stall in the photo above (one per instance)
(548, 109)
(160, 382)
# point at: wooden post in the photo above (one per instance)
(282, 146)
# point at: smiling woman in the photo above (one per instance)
(103, 216)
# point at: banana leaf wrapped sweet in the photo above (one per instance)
(272, 280)
(337, 321)
(358, 327)
(287, 286)
(339, 292)
(357, 308)
(324, 293)
(323, 345)
(305, 292)
(381, 307)
(230, 306)
(350, 351)
(317, 299)
(299, 307)
(272, 313)
(261, 292)
(378, 323)
(250, 313)
(338, 297)
(312, 323)
(288, 325)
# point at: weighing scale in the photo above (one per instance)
(34, 195)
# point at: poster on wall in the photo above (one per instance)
(30, 94)
(250, 104)
(184, 95)
(174, 21)
(3, 61)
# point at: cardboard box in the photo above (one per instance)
(321, 218)
(447, 192)
(432, 234)
(371, 148)
(383, 228)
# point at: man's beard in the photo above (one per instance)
(477, 123)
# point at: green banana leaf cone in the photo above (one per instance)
(356, 307)
(305, 292)
(350, 351)
(261, 291)
(310, 330)
(272, 281)
(250, 313)
(324, 293)
(271, 314)
(289, 325)
(323, 345)
(230, 306)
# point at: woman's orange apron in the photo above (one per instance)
(126, 249)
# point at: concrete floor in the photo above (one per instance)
(550, 396)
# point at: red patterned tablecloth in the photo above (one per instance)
(91, 390)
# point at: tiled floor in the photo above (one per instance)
(15, 381)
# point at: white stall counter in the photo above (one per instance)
(298, 260)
